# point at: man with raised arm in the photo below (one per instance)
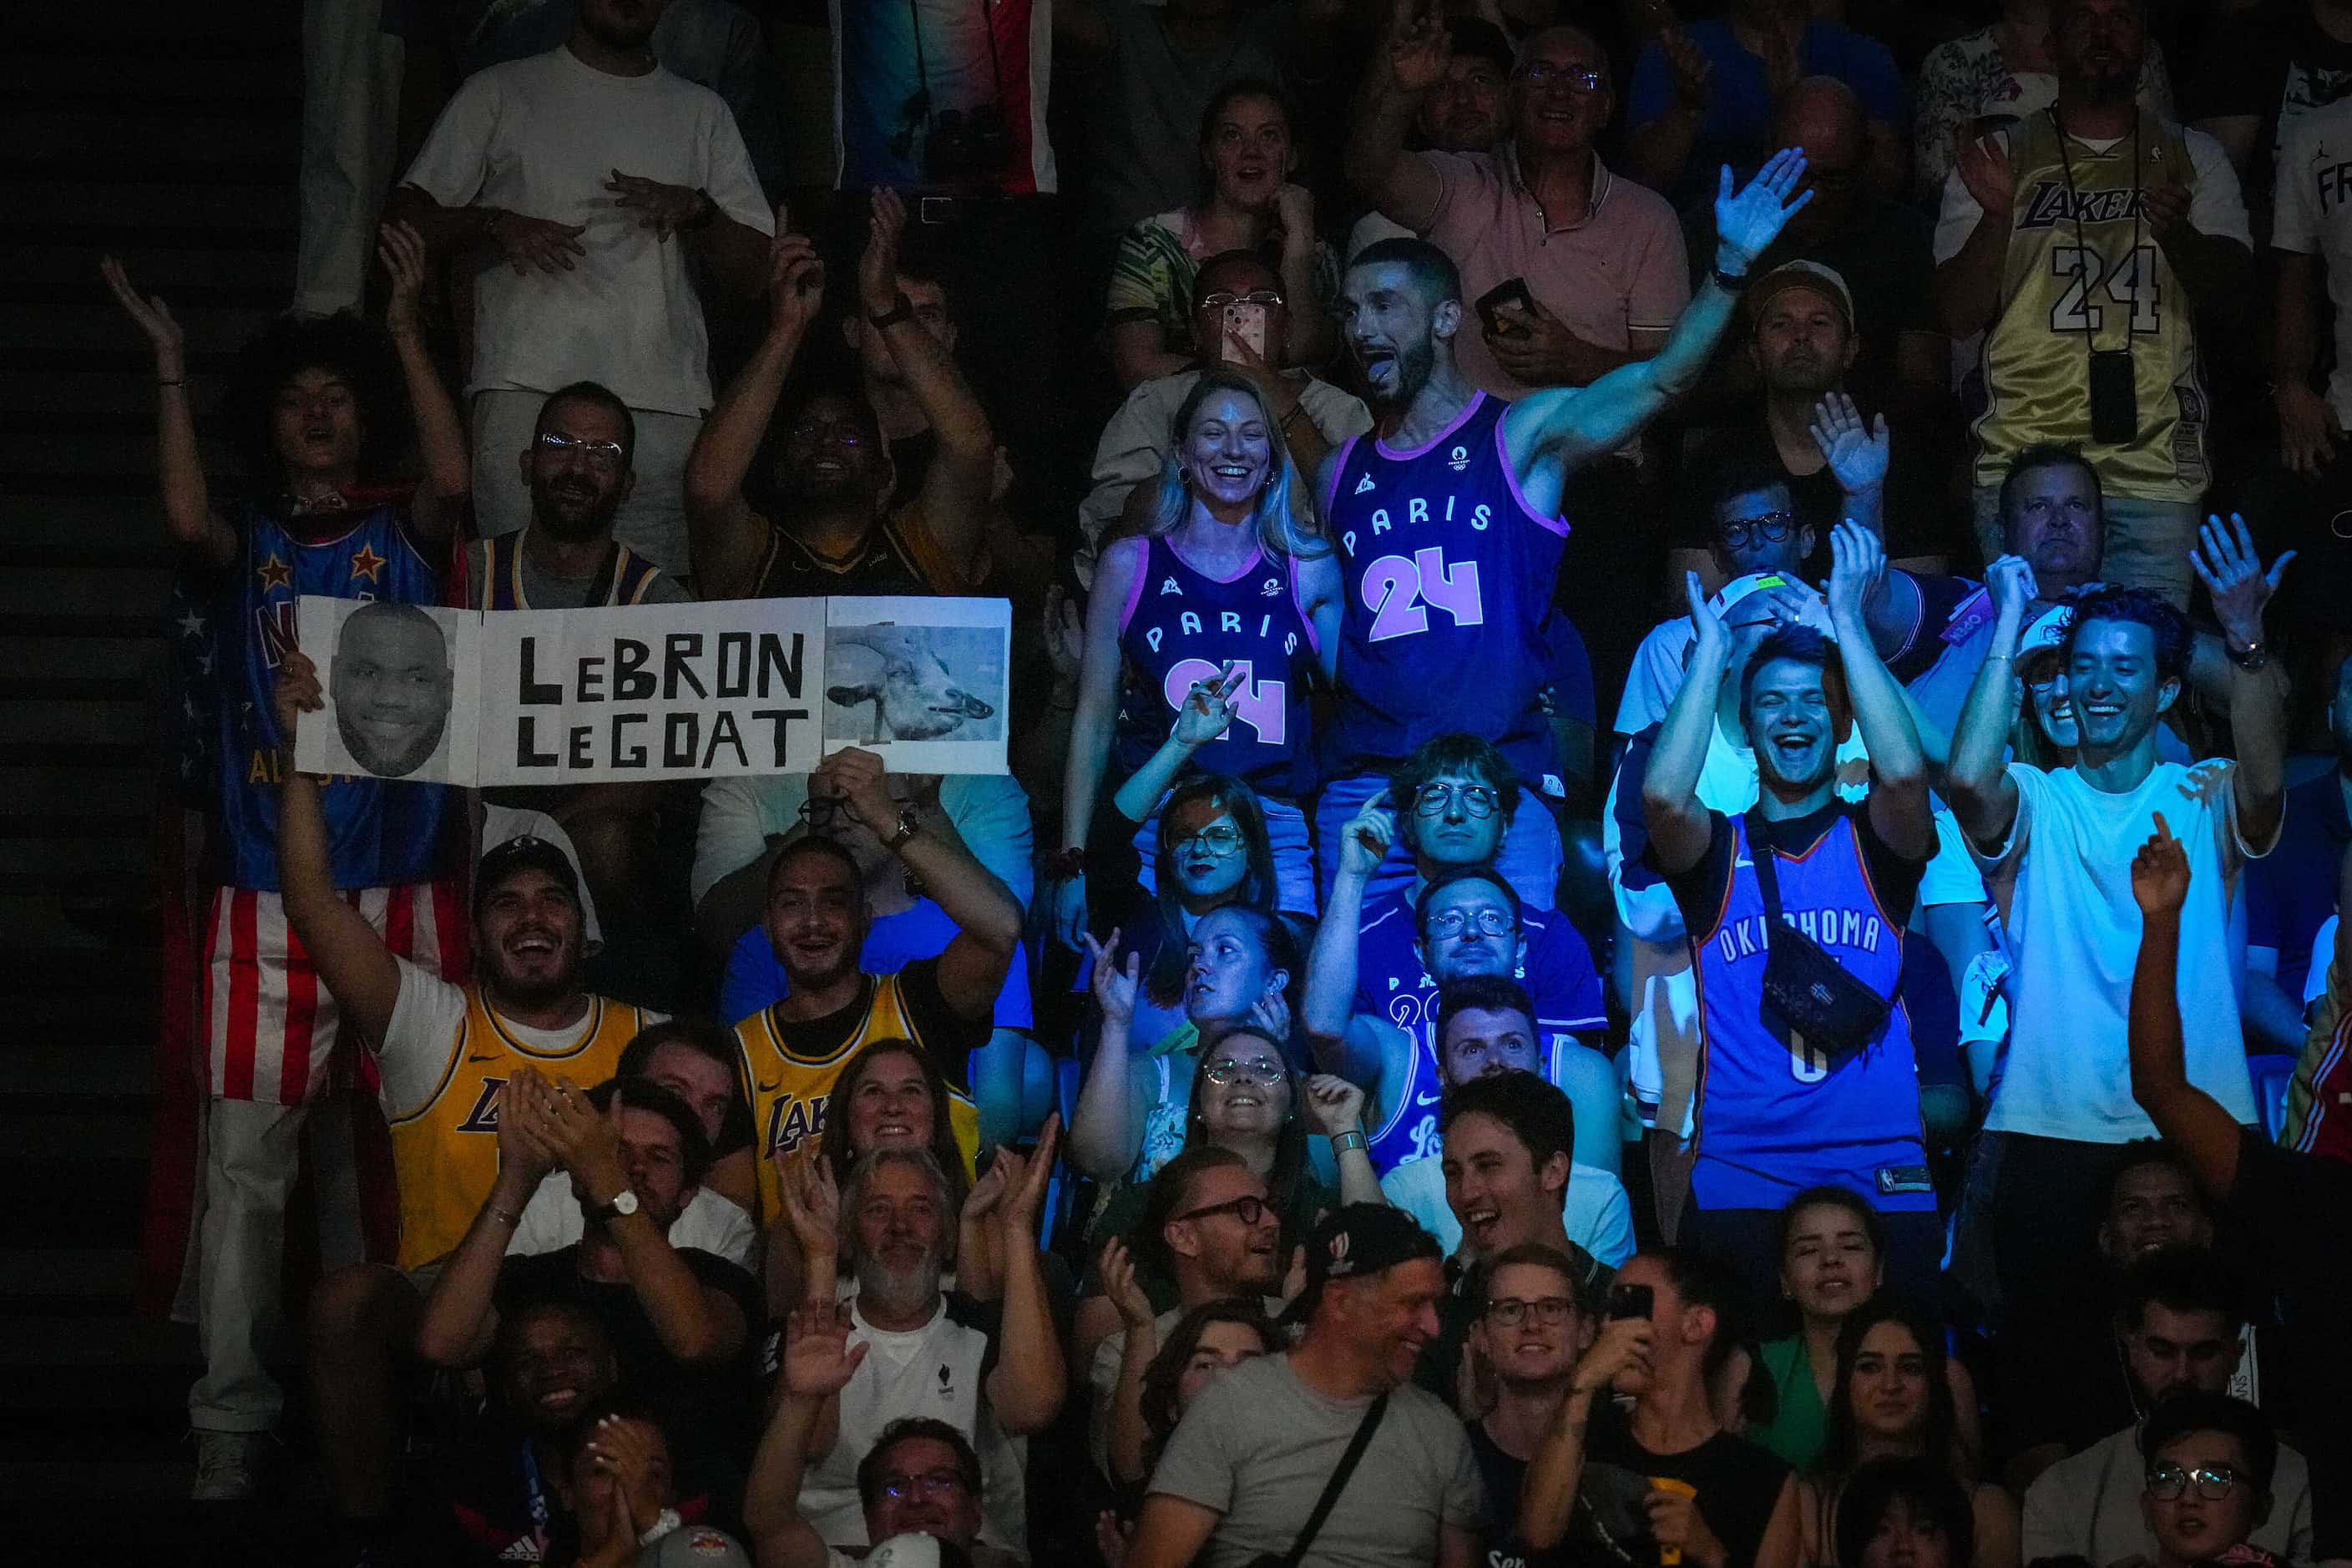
(1448, 518)
(1779, 1110)
(817, 521)
(2050, 845)
(2291, 1211)
(445, 1054)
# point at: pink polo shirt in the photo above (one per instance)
(1617, 269)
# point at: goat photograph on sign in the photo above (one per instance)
(922, 683)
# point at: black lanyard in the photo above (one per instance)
(2083, 251)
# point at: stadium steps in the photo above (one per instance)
(166, 133)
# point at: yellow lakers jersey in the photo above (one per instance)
(2084, 273)
(446, 1154)
(789, 1088)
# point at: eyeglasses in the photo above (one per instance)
(929, 1484)
(605, 457)
(1576, 79)
(2170, 1482)
(1511, 1311)
(1249, 1211)
(819, 811)
(1446, 925)
(1269, 298)
(1222, 839)
(1772, 526)
(1259, 1070)
(1436, 799)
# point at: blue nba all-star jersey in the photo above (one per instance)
(1180, 625)
(1773, 1116)
(1449, 579)
(380, 832)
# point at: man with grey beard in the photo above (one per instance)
(994, 1373)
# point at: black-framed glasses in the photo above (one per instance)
(2168, 1482)
(931, 1483)
(1220, 840)
(821, 812)
(1436, 799)
(1772, 526)
(1257, 1070)
(1446, 925)
(605, 457)
(1248, 1210)
(1269, 298)
(1512, 1310)
(1540, 74)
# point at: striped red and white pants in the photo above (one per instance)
(272, 1034)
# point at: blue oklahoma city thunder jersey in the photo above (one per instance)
(1773, 1118)
(1392, 984)
(380, 832)
(1449, 579)
(1180, 625)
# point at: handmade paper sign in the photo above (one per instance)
(403, 686)
(922, 683)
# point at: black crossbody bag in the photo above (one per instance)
(1806, 988)
(1331, 1489)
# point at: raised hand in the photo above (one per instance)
(2160, 872)
(1542, 350)
(1116, 1269)
(1747, 222)
(878, 266)
(1270, 1016)
(2308, 429)
(1623, 1343)
(795, 278)
(1115, 988)
(520, 1147)
(2232, 573)
(151, 316)
(529, 242)
(1687, 63)
(401, 249)
(857, 781)
(1711, 641)
(1208, 710)
(662, 208)
(1024, 1184)
(298, 692)
(1421, 50)
(811, 1200)
(1857, 453)
(584, 1139)
(1857, 561)
(1065, 635)
(819, 1360)
(623, 1447)
(1983, 165)
(986, 1192)
(1294, 205)
(1364, 842)
(2011, 579)
(1334, 1105)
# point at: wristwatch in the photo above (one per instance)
(624, 1203)
(909, 823)
(2250, 656)
(901, 310)
(1729, 282)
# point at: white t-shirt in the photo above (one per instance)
(540, 137)
(2063, 882)
(2309, 218)
(2215, 204)
(1598, 1215)
(552, 1221)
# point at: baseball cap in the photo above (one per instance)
(2047, 631)
(514, 856)
(1821, 280)
(1355, 1241)
(1739, 588)
(916, 1550)
(697, 1546)
(1477, 36)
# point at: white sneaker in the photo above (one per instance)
(228, 1467)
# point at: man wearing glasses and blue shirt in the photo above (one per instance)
(1370, 1006)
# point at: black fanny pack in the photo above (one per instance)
(1818, 998)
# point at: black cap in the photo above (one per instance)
(509, 857)
(1477, 36)
(1355, 1241)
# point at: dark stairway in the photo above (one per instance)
(165, 133)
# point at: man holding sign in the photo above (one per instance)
(445, 1053)
(816, 921)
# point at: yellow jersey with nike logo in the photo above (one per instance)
(445, 1123)
(2084, 273)
(790, 1066)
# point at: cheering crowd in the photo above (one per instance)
(1679, 768)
